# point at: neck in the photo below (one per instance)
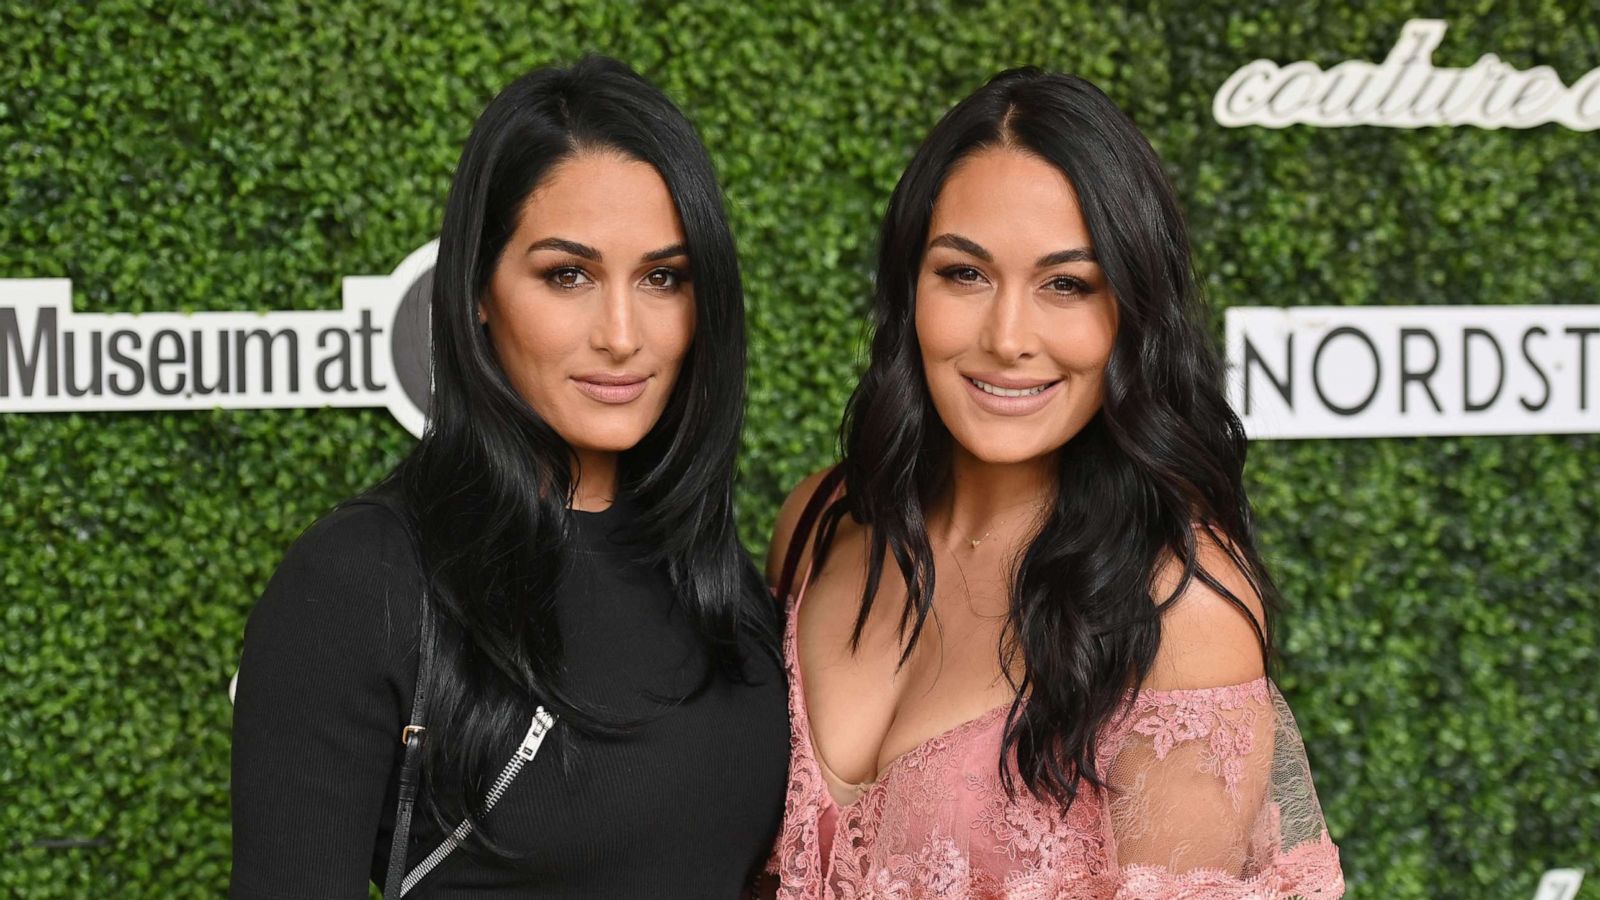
(1000, 499)
(594, 474)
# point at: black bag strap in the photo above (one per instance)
(412, 737)
(415, 732)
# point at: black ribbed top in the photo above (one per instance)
(686, 806)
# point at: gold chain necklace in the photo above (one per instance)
(992, 528)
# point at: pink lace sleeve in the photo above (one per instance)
(1211, 799)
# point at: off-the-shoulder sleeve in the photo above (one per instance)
(1210, 798)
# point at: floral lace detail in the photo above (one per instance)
(1208, 798)
(1310, 871)
(1225, 718)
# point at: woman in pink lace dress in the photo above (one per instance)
(1029, 630)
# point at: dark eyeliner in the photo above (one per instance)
(550, 274)
(680, 277)
(949, 272)
(1078, 285)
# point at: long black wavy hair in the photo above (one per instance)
(489, 483)
(1161, 460)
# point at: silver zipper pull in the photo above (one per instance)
(537, 729)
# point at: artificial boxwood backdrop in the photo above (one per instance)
(1441, 632)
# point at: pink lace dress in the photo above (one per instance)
(1210, 798)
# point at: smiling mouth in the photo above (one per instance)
(997, 391)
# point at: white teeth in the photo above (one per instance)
(1008, 392)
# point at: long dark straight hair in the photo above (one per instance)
(1164, 452)
(489, 483)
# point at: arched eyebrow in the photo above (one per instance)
(587, 252)
(1076, 254)
(969, 246)
(565, 246)
(963, 245)
(667, 252)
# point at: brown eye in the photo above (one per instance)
(567, 277)
(1065, 285)
(664, 279)
(965, 275)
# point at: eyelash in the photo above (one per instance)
(679, 277)
(1073, 285)
(553, 276)
(953, 273)
(1061, 284)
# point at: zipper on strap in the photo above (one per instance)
(542, 722)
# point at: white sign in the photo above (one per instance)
(1559, 884)
(1395, 371)
(1406, 91)
(372, 352)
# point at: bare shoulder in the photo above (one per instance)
(1207, 640)
(788, 519)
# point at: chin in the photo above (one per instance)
(606, 437)
(606, 443)
(998, 452)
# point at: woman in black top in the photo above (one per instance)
(569, 513)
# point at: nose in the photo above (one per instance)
(616, 332)
(1007, 333)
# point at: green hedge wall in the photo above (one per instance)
(1441, 635)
